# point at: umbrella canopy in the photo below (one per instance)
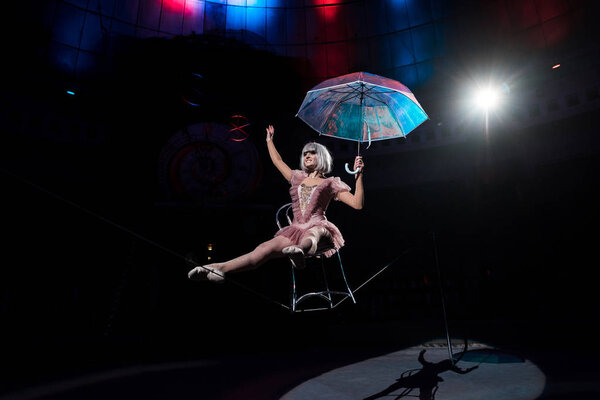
(362, 107)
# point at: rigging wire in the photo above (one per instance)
(166, 249)
(132, 233)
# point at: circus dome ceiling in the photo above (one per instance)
(138, 58)
(412, 41)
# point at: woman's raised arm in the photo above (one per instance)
(356, 200)
(275, 157)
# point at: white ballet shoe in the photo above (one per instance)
(206, 274)
(296, 255)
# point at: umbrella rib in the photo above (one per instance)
(374, 98)
(369, 88)
(378, 121)
(339, 91)
(391, 108)
(356, 92)
(409, 117)
(369, 93)
(350, 96)
(309, 103)
(397, 119)
(331, 87)
(395, 114)
(391, 90)
(347, 84)
(408, 97)
(387, 91)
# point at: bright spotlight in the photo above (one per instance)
(487, 98)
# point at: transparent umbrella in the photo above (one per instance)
(361, 107)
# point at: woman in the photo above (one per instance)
(311, 193)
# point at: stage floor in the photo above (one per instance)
(425, 372)
(329, 375)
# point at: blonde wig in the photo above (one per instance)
(324, 159)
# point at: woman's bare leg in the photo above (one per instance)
(262, 253)
(308, 245)
(312, 238)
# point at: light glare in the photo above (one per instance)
(487, 98)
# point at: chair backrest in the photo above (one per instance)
(284, 211)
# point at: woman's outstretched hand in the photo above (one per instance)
(270, 133)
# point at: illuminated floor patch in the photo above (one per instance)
(424, 372)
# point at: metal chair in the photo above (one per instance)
(327, 294)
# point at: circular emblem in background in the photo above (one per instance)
(202, 163)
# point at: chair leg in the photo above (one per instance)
(326, 294)
(345, 280)
(326, 283)
(294, 293)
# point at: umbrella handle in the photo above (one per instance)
(348, 170)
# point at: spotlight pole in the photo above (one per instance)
(486, 127)
(486, 131)
(487, 124)
(439, 274)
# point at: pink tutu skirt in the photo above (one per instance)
(296, 232)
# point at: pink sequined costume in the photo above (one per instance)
(309, 204)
